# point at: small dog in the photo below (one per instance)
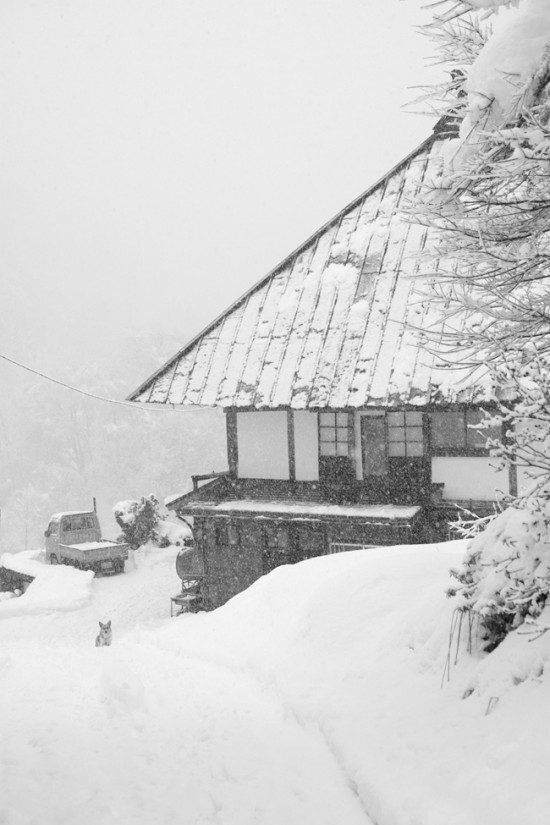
(105, 636)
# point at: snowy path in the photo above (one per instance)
(135, 734)
(318, 687)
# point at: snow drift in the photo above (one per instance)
(314, 697)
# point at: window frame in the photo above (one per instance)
(406, 427)
(334, 427)
(466, 450)
(391, 463)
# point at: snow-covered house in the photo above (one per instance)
(343, 429)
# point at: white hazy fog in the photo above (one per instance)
(158, 158)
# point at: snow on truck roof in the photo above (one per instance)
(58, 516)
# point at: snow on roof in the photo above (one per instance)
(335, 325)
(58, 516)
(307, 509)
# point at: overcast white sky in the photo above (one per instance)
(160, 156)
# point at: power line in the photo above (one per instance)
(134, 405)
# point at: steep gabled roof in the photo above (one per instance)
(333, 326)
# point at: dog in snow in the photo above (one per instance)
(105, 635)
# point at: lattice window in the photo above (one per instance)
(334, 434)
(405, 434)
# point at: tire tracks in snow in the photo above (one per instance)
(271, 689)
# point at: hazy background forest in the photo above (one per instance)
(59, 449)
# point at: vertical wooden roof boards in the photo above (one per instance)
(334, 325)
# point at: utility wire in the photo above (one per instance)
(133, 404)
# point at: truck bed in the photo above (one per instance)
(94, 551)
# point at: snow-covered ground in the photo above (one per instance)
(314, 697)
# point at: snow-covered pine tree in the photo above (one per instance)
(491, 263)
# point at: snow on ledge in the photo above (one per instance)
(387, 512)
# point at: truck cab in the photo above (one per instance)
(71, 528)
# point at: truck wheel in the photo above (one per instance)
(54, 559)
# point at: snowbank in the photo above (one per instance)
(30, 562)
(313, 698)
(357, 644)
(165, 739)
(149, 557)
(53, 588)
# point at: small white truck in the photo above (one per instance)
(74, 538)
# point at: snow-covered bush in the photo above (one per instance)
(144, 522)
(174, 534)
(489, 211)
(138, 520)
(505, 575)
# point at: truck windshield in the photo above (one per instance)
(71, 523)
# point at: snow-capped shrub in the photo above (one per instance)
(144, 522)
(505, 575)
(175, 534)
(138, 520)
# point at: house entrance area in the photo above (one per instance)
(393, 456)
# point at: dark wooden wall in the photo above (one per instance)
(237, 551)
